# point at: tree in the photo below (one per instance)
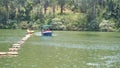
(62, 4)
(53, 5)
(46, 4)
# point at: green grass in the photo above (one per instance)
(67, 49)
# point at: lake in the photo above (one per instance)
(68, 49)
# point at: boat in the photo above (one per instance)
(46, 30)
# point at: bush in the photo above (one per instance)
(36, 26)
(24, 25)
(93, 25)
(14, 26)
(118, 30)
(57, 24)
(106, 25)
(1, 25)
(81, 22)
(11, 24)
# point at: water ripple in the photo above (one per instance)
(82, 46)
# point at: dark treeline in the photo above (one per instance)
(85, 15)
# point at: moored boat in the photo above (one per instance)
(46, 31)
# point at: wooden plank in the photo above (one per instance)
(24, 38)
(3, 53)
(13, 49)
(15, 46)
(20, 42)
(12, 53)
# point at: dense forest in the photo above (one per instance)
(80, 15)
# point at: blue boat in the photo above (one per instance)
(46, 30)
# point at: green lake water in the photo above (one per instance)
(68, 49)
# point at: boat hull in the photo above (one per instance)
(47, 33)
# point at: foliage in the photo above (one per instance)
(41, 12)
(81, 22)
(106, 25)
(69, 21)
(57, 24)
(118, 30)
(24, 25)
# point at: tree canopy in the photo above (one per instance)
(73, 14)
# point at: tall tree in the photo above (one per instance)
(53, 5)
(7, 9)
(46, 4)
(62, 4)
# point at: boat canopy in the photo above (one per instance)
(46, 26)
